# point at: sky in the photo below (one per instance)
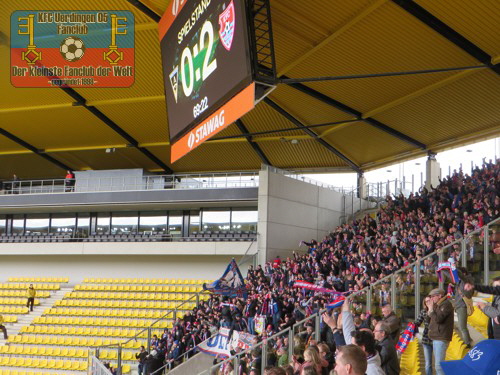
(448, 160)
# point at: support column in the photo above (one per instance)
(432, 171)
(362, 187)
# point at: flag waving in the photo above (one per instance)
(231, 284)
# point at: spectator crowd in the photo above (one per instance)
(350, 258)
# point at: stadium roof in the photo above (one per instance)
(378, 120)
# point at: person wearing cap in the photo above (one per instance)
(482, 359)
(440, 311)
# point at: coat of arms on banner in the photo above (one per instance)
(227, 25)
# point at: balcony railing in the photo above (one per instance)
(133, 183)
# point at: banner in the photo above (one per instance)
(310, 286)
(231, 284)
(221, 346)
(450, 268)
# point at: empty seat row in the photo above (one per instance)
(31, 372)
(30, 238)
(26, 286)
(133, 296)
(10, 319)
(44, 363)
(22, 293)
(43, 351)
(124, 304)
(106, 322)
(13, 310)
(38, 279)
(127, 238)
(138, 288)
(71, 341)
(123, 313)
(83, 331)
(145, 281)
(16, 301)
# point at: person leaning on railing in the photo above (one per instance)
(492, 310)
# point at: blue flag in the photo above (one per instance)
(231, 284)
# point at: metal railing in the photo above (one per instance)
(472, 252)
(171, 314)
(177, 181)
(96, 367)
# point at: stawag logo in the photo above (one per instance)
(475, 354)
(206, 129)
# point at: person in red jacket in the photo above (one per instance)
(69, 181)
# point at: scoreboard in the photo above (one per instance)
(207, 69)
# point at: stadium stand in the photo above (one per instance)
(108, 311)
(359, 254)
(60, 338)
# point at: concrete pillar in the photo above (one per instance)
(432, 171)
(362, 187)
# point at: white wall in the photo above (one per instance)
(290, 211)
(193, 260)
(128, 248)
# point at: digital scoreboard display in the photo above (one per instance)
(206, 66)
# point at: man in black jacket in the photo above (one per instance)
(141, 358)
(386, 346)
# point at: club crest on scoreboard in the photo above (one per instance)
(227, 26)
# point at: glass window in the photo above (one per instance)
(175, 223)
(83, 225)
(18, 224)
(153, 221)
(62, 223)
(244, 219)
(3, 224)
(124, 223)
(194, 221)
(37, 224)
(216, 219)
(103, 223)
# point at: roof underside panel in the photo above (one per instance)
(481, 27)
(460, 109)
(62, 128)
(145, 121)
(319, 38)
(284, 154)
(347, 138)
(228, 156)
(28, 166)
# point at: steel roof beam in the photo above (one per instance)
(447, 32)
(33, 149)
(81, 101)
(254, 145)
(144, 9)
(313, 134)
(351, 111)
